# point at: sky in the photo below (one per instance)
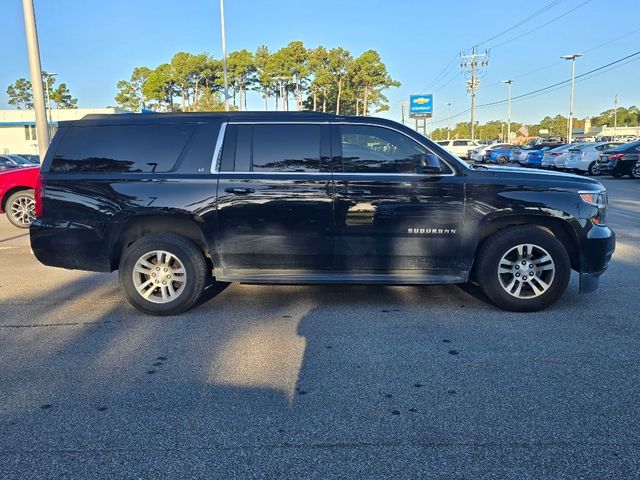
(93, 44)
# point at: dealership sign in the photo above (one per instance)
(421, 105)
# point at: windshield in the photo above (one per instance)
(19, 159)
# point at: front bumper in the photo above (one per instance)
(596, 250)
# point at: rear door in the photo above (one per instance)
(390, 217)
(275, 201)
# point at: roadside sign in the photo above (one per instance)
(421, 105)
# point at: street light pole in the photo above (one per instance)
(449, 121)
(571, 57)
(224, 58)
(508, 83)
(615, 117)
(35, 70)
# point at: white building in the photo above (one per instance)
(590, 131)
(18, 127)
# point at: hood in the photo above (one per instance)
(543, 176)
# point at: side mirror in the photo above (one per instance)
(430, 163)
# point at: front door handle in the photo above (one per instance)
(239, 191)
(354, 193)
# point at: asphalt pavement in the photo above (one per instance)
(300, 382)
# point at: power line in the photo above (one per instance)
(541, 26)
(522, 22)
(558, 85)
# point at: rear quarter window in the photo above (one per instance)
(121, 148)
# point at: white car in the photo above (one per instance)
(550, 156)
(477, 153)
(459, 147)
(583, 157)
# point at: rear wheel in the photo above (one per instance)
(635, 170)
(523, 269)
(593, 169)
(20, 208)
(163, 274)
(502, 159)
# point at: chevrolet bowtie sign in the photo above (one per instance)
(421, 105)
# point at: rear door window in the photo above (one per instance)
(121, 148)
(285, 148)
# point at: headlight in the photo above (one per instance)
(598, 200)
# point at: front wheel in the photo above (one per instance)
(502, 159)
(163, 274)
(20, 208)
(523, 269)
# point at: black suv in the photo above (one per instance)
(173, 199)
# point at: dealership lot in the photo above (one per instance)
(312, 381)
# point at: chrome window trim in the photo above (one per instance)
(218, 149)
(367, 124)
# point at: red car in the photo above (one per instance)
(16, 195)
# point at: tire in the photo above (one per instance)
(634, 172)
(20, 208)
(593, 169)
(181, 265)
(502, 160)
(500, 253)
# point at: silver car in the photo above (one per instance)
(550, 156)
(583, 157)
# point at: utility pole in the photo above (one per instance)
(571, 57)
(508, 83)
(224, 58)
(615, 116)
(472, 63)
(35, 70)
(449, 121)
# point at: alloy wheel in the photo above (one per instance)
(526, 271)
(159, 276)
(23, 209)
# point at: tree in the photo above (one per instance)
(241, 74)
(62, 97)
(369, 77)
(339, 64)
(264, 76)
(160, 87)
(20, 95)
(322, 80)
(130, 96)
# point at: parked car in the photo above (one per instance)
(459, 147)
(620, 161)
(500, 156)
(31, 158)
(299, 197)
(534, 157)
(583, 157)
(477, 154)
(17, 195)
(549, 157)
(8, 162)
(519, 155)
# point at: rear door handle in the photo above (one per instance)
(239, 191)
(354, 193)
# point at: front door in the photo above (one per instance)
(275, 203)
(391, 218)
